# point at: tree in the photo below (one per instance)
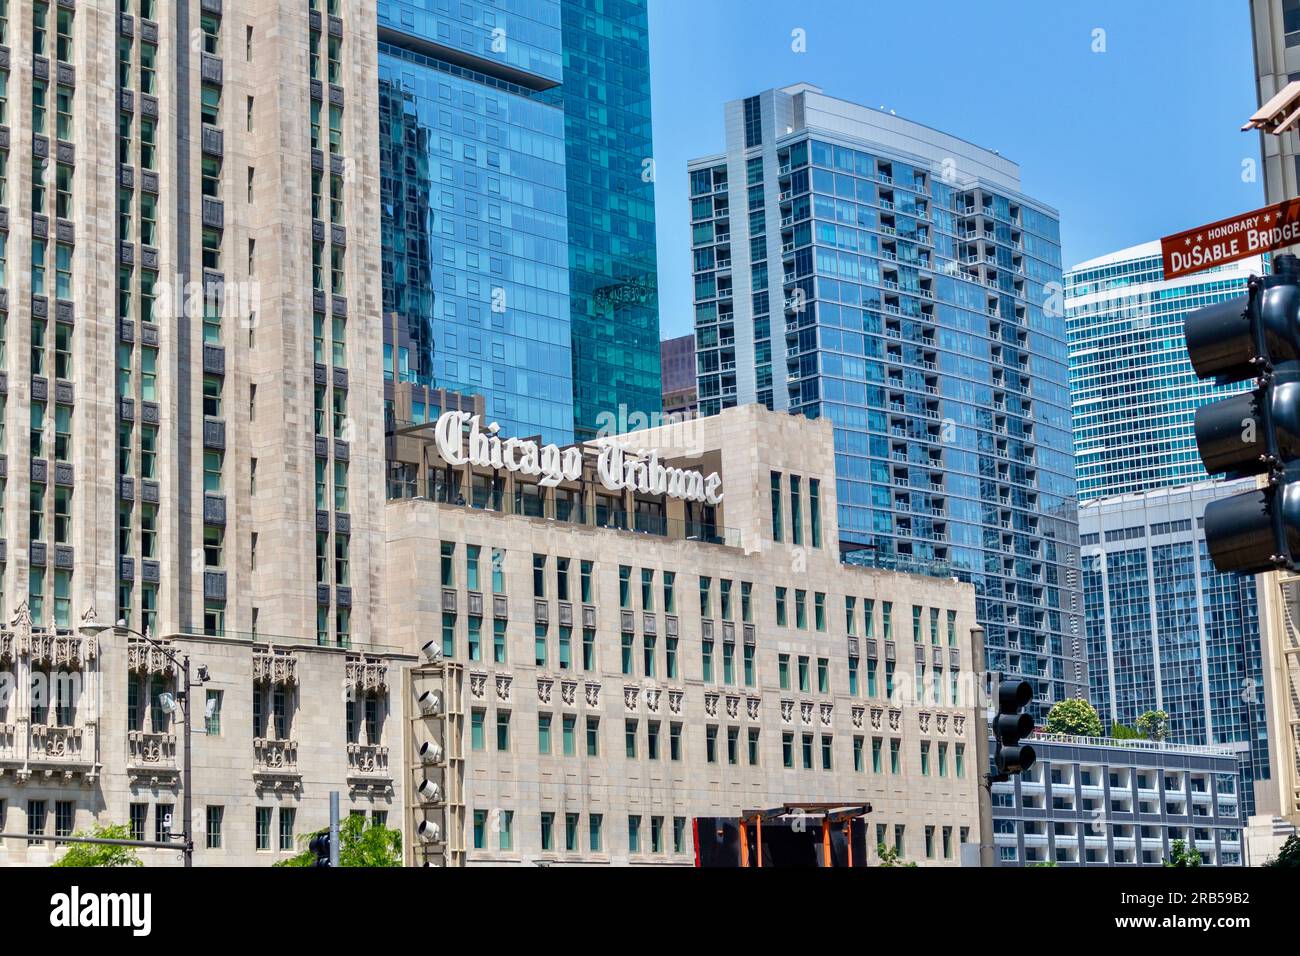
(889, 856)
(1123, 732)
(360, 844)
(1044, 863)
(1073, 716)
(1288, 856)
(100, 854)
(1153, 724)
(1180, 854)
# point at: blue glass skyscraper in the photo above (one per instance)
(1165, 629)
(518, 231)
(854, 265)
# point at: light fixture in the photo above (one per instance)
(94, 628)
(432, 651)
(431, 752)
(430, 702)
(203, 675)
(210, 710)
(428, 831)
(167, 702)
(429, 791)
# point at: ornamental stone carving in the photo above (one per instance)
(895, 718)
(568, 692)
(826, 714)
(733, 706)
(857, 716)
(143, 658)
(711, 704)
(941, 723)
(752, 707)
(675, 701)
(503, 687)
(787, 711)
(806, 711)
(652, 695)
(592, 691)
(630, 695)
(924, 719)
(544, 685)
(367, 675)
(959, 724)
(275, 667)
(876, 716)
(477, 685)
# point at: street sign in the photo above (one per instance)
(1216, 243)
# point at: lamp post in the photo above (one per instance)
(93, 628)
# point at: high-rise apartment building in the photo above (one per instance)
(856, 266)
(518, 226)
(1167, 631)
(1135, 392)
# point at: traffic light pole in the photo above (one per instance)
(982, 760)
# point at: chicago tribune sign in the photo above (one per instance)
(617, 467)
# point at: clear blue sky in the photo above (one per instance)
(1138, 141)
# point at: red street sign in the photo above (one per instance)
(1247, 234)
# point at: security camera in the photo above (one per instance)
(430, 702)
(431, 752)
(203, 675)
(432, 651)
(429, 791)
(428, 831)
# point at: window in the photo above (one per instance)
(593, 736)
(503, 731)
(594, 822)
(711, 744)
(264, 828)
(776, 506)
(287, 815)
(629, 739)
(212, 835)
(547, 832)
(476, 733)
(780, 607)
(752, 748)
(634, 833)
(783, 670)
(212, 713)
(814, 511)
(796, 518)
(568, 734)
(544, 733)
(787, 750)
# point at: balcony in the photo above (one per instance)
(275, 765)
(368, 770)
(151, 758)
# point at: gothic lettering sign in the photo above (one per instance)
(617, 467)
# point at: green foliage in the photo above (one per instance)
(1073, 716)
(360, 844)
(1180, 854)
(1124, 732)
(1288, 856)
(99, 854)
(1153, 724)
(1043, 863)
(889, 856)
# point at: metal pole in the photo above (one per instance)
(101, 841)
(982, 756)
(187, 805)
(334, 828)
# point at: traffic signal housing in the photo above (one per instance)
(1010, 725)
(320, 847)
(1255, 336)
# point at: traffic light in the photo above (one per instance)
(1010, 725)
(320, 846)
(1255, 336)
